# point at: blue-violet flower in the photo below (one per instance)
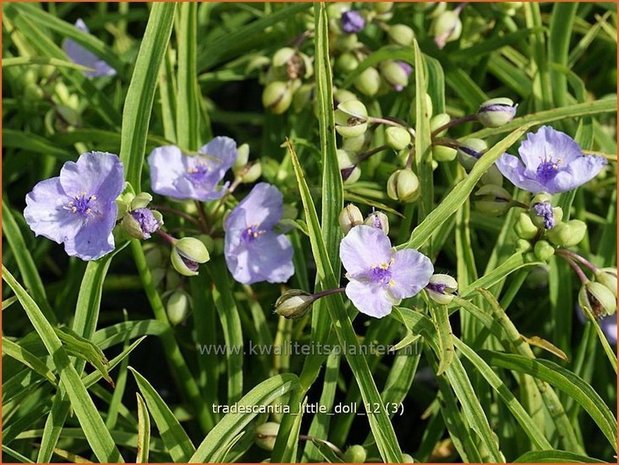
(82, 56)
(254, 251)
(352, 21)
(78, 208)
(380, 277)
(192, 177)
(550, 161)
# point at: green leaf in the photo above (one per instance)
(42, 61)
(141, 93)
(80, 347)
(143, 431)
(187, 109)
(15, 351)
(555, 456)
(174, 437)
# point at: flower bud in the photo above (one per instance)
(368, 82)
(354, 144)
(395, 73)
(401, 34)
(525, 229)
(442, 288)
(250, 173)
(522, 245)
(382, 7)
(397, 138)
(542, 215)
(277, 97)
(543, 251)
(349, 170)
(351, 118)
(141, 223)
(242, 157)
(294, 303)
(346, 42)
(446, 27)
(349, 217)
(343, 95)
(403, 185)
(442, 153)
(141, 200)
(470, 151)
(598, 299)
(352, 21)
(187, 254)
(355, 454)
(407, 458)
(607, 277)
(282, 56)
(496, 112)
(265, 435)
(567, 234)
(438, 121)
(177, 307)
(346, 62)
(493, 200)
(378, 220)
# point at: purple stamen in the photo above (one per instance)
(197, 174)
(380, 275)
(544, 210)
(147, 221)
(436, 287)
(547, 170)
(81, 204)
(251, 234)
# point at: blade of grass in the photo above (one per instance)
(143, 431)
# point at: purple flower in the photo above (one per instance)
(380, 277)
(192, 177)
(551, 161)
(254, 251)
(352, 21)
(78, 208)
(81, 56)
(147, 222)
(544, 210)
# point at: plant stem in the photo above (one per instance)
(454, 122)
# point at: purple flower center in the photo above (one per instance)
(436, 287)
(352, 21)
(251, 233)
(147, 221)
(380, 274)
(81, 204)
(197, 174)
(547, 170)
(544, 210)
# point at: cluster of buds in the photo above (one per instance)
(351, 216)
(136, 219)
(246, 172)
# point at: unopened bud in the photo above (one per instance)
(401, 34)
(141, 223)
(543, 251)
(382, 7)
(378, 220)
(346, 62)
(294, 303)
(493, 200)
(438, 121)
(525, 229)
(442, 288)
(349, 170)
(242, 157)
(395, 73)
(470, 151)
(496, 112)
(355, 454)
(343, 95)
(349, 217)
(407, 458)
(352, 21)
(598, 299)
(446, 27)
(568, 234)
(187, 255)
(368, 82)
(607, 277)
(397, 138)
(250, 173)
(542, 214)
(354, 144)
(277, 97)
(265, 435)
(442, 153)
(351, 118)
(403, 185)
(177, 307)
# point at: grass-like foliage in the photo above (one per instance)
(330, 232)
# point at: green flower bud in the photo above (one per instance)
(351, 118)
(378, 220)
(438, 121)
(441, 153)
(187, 254)
(346, 62)
(382, 7)
(343, 95)
(407, 458)
(525, 229)
(496, 112)
(470, 151)
(607, 277)
(543, 251)
(265, 435)
(493, 200)
(135, 225)
(442, 288)
(397, 138)
(354, 144)
(346, 42)
(522, 245)
(294, 304)
(141, 200)
(250, 173)
(368, 82)
(598, 299)
(355, 454)
(446, 27)
(349, 217)
(492, 176)
(242, 157)
(401, 34)
(282, 56)
(567, 234)
(394, 74)
(277, 97)
(177, 307)
(403, 185)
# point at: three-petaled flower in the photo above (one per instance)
(550, 161)
(78, 208)
(192, 177)
(254, 251)
(379, 276)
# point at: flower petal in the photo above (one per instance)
(410, 273)
(577, 173)
(167, 167)
(94, 173)
(95, 238)
(364, 248)
(223, 149)
(263, 206)
(372, 300)
(46, 212)
(82, 56)
(513, 169)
